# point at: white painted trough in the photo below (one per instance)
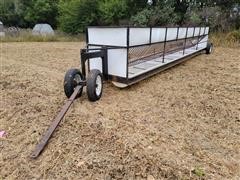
(126, 55)
(136, 53)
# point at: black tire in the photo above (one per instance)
(94, 85)
(71, 80)
(209, 48)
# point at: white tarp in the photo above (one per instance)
(1, 26)
(42, 29)
(2, 33)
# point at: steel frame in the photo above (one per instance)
(101, 52)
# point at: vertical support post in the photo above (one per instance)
(198, 37)
(204, 33)
(177, 33)
(194, 32)
(87, 38)
(128, 32)
(105, 63)
(83, 65)
(150, 38)
(165, 41)
(193, 36)
(185, 40)
(88, 63)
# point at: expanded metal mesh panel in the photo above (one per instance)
(141, 54)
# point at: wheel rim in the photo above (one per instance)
(98, 85)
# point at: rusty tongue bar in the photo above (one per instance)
(43, 142)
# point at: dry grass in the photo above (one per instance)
(180, 124)
(219, 39)
(226, 39)
(26, 36)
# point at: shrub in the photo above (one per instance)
(111, 11)
(160, 14)
(75, 15)
(41, 11)
(142, 18)
(226, 39)
(234, 36)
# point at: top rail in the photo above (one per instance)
(128, 37)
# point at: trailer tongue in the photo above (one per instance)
(43, 142)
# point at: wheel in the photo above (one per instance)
(72, 78)
(209, 48)
(94, 85)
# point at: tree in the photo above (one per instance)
(42, 11)
(75, 15)
(9, 12)
(111, 11)
(72, 16)
(161, 13)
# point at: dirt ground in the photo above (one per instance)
(183, 123)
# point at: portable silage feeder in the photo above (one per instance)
(126, 55)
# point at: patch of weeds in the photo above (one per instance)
(198, 171)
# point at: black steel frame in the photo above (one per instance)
(101, 52)
(87, 54)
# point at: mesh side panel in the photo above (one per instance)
(141, 54)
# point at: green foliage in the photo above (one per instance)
(161, 14)
(142, 18)
(72, 16)
(193, 17)
(234, 36)
(199, 172)
(75, 15)
(135, 6)
(164, 14)
(41, 11)
(25, 13)
(111, 11)
(8, 12)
